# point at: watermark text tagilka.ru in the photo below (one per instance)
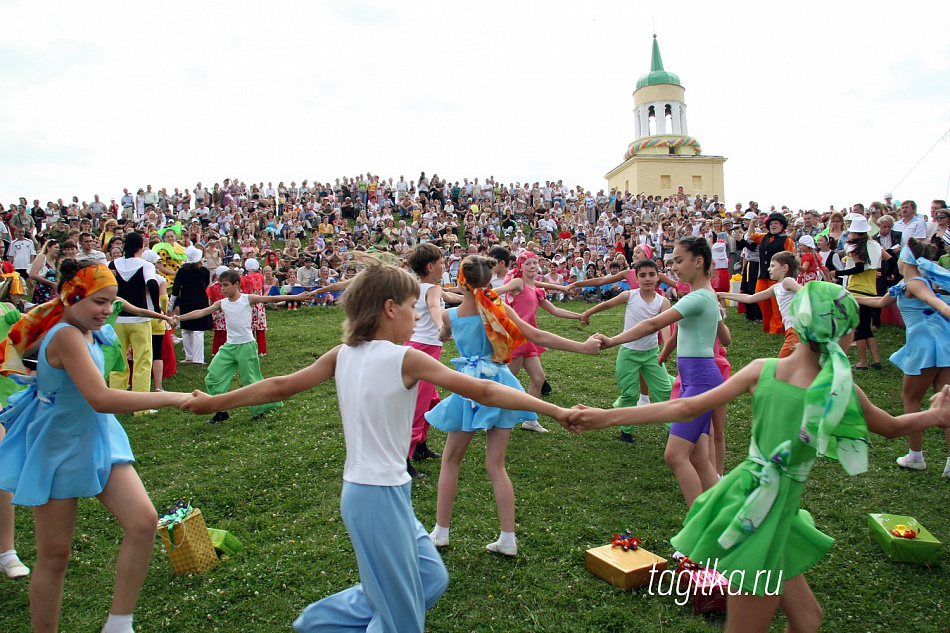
(686, 583)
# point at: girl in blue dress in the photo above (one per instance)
(64, 443)
(925, 357)
(485, 333)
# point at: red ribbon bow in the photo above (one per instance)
(904, 531)
(627, 541)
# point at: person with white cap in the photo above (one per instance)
(218, 323)
(190, 293)
(863, 260)
(253, 283)
(810, 267)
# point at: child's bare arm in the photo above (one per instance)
(883, 423)
(303, 296)
(723, 334)
(605, 305)
(420, 366)
(197, 314)
(744, 298)
(515, 285)
(561, 313)
(669, 344)
(549, 339)
(336, 287)
(142, 312)
(679, 410)
(433, 302)
(445, 329)
(274, 389)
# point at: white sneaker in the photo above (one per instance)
(904, 462)
(532, 425)
(16, 569)
(505, 550)
(440, 541)
(946, 473)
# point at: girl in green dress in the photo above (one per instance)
(751, 523)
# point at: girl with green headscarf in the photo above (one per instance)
(804, 406)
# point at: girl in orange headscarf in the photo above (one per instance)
(485, 332)
(63, 441)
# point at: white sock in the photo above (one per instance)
(507, 538)
(438, 531)
(644, 399)
(118, 624)
(946, 469)
(7, 557)
(915, 456)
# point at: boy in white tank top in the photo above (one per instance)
(376, 381)
(639, 358)
(427, 263)
(240, 350)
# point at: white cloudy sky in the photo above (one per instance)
(814, 103)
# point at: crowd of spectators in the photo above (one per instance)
(306, 234)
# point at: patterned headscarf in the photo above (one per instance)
(33, 325)
(832, 421)
(516, 272)
(502, 332)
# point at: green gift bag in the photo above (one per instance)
(224, 542)
(923, 548)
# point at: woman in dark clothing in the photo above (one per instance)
(189, 293)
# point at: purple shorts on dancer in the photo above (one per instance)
(698, 375)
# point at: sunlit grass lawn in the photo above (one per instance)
(276, 484)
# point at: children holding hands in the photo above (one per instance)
(377, 382)
(804, 406)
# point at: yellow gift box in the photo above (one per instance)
(188, 544)
(625, 569)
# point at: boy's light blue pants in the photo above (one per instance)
(401, 572)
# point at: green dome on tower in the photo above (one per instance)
(657, 74)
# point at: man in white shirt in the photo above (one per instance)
(402, 187)
(21, 252)
(910, 225)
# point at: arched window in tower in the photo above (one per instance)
(651, 113)
(668, 116)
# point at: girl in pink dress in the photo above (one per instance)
(525, 295)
